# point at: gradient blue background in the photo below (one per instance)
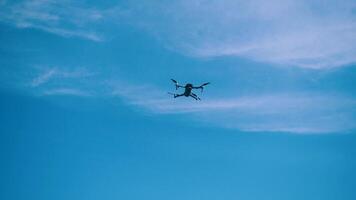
(89, 144)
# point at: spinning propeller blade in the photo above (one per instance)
(176, 83)
(202, 86)
(205, 84)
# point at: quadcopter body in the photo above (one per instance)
(188, 90)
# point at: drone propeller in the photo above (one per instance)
(202, 86)
(205, 84)
(176, 83)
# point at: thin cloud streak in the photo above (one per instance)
(43, 78)
(66, 92)
(62, 18)
(294, 113)
(57, 73)
(65, 32)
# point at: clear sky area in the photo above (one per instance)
(85, 111)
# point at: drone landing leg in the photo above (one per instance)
(194, 96)
(178, 95)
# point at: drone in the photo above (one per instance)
(187, 90)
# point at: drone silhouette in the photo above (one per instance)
(188, 90)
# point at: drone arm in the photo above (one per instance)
(201, 86)
(179, 86)
(176, 84)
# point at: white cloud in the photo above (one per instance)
(312, 34)
(64, 32)
(286, 112)
(56, 73)
(66, 92)
(43, 78)
(63, 18)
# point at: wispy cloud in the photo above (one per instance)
(283, 112)
(311, 34)
(56, 81)
(66, 92)
(56, 73)
(63, 18)
(43, 78)
(64, 32)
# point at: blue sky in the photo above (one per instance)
(85, 112)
